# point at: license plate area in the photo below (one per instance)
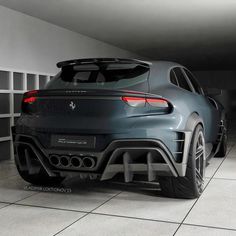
(73, 141)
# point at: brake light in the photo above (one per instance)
(29, 100)
(141, 102)
(30, 97)
(157, 102)
(135, 101)
(28, 105)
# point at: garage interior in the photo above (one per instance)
(35, 35)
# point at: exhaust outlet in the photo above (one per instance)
(89, 162)
(64, 161)
(76, 162)
(54, 160)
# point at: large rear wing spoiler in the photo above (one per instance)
(102, 60)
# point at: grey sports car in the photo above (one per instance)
(103, 117)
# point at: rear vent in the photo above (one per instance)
(178, 154)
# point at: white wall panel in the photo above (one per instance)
(30, 44)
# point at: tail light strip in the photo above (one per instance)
(30, 97)
(29, 100)
(141, 102)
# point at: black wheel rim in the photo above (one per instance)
(200, 158)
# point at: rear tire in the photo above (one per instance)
(223, 147)
(191, 185)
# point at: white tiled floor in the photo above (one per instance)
(101, 225)
(12, 189)
(24, 220)
(227, 170)
(108, 208)
(145, 206)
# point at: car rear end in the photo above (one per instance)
(98, 118)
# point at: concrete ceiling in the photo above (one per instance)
(197, 33)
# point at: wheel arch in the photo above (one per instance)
(193, 120)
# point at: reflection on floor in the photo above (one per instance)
(112, 208)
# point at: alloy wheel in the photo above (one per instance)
(200, 158)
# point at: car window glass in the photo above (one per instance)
(193, 81)
(173, 78)
(102, 76)
(181, 79)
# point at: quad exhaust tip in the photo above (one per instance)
(74, 161)
(88, 162)
(65, 161)
(54, 160)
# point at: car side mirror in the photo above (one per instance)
(212, 91)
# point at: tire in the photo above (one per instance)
(191, 185)
(223, 146)
(41, 179)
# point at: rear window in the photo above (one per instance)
(183, 83)
(104, 76)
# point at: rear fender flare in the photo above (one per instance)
(193, 120)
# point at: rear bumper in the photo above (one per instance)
(128, 156)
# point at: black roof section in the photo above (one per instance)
(101, 60)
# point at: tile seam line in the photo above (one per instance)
(15, 203)
(71, 224)
(208, 226)
(86, 214)
(45, 207)
(135, 218)
(90, 212)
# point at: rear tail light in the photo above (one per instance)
(28, 100)
(142, 102)
(30, 97)
(135, 101)
(157, 102)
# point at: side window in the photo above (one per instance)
(195, 84)
(173, 78)
(183, 83)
